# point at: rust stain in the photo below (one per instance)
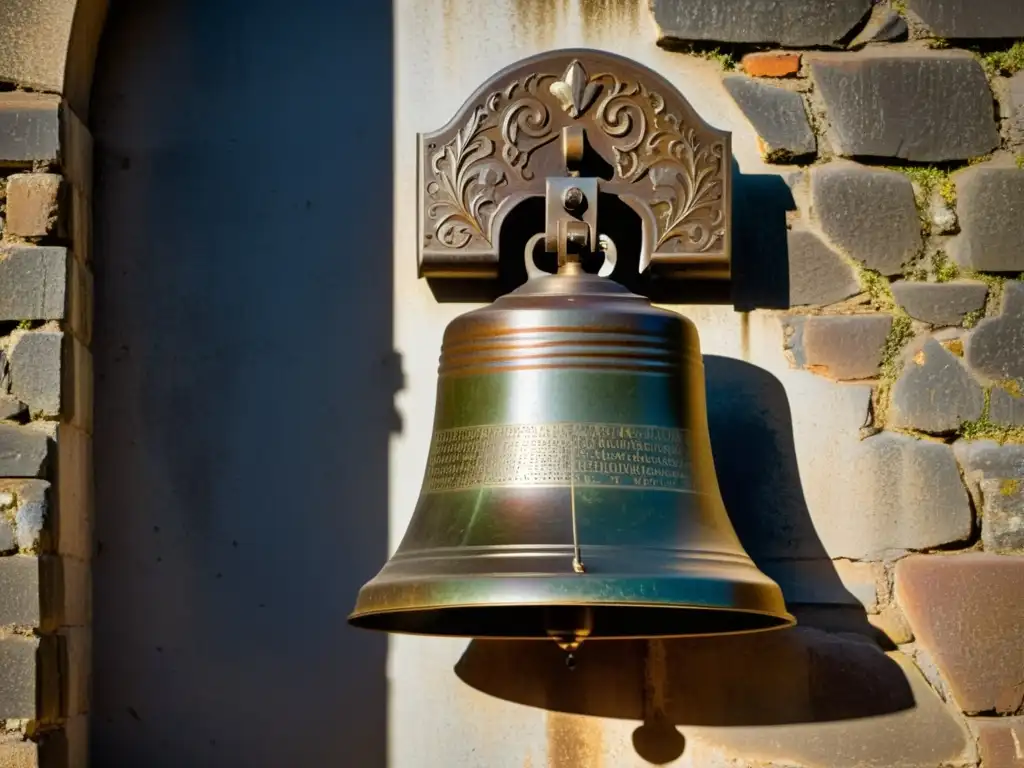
(574, 741)
(538, 19)
(609, 16)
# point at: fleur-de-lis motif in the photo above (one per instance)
(574, 91)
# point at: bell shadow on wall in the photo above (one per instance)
(782, 677)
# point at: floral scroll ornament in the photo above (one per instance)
(649, 146)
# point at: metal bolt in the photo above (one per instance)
(573, 199)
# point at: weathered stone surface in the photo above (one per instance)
(935, 393)
(1015, 92)
(996, 346)
(10, 407)
(29, 127)
(987, 460)
(921, 734)
(1000, 741)
(971, 18)
(862, 580)
(33, 204)
(844, 346)
(25, 501)
(35, 370)
(32, 283)
(796, 22)
(777, 115)
(817, 274)
(940, 303)
(916, 105)
(883, 28)
(990, 204)
(18, 676)
(869, 213)
(967, 613)
(771, 64)
(22, 451)
(19, 591)
(1002, 518)
(893, 624)
(18, 754)
(915, 500)
(1006, 408)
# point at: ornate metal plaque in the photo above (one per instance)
(664, 162)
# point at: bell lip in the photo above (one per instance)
(785, 619)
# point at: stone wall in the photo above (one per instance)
(45, 427)
(900, 125)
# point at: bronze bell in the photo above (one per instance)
(570, 491)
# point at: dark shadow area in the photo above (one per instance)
(760, 251)
(245, 376)
(802, 675)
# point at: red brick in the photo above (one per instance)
(1000, 741)
(771, 64)
(967, 612)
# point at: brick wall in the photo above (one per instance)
(45, 426)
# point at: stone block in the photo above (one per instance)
(19, 591)
(18, 676)
(8, 539)
(923, 106)
(966, 612)
(25, 502)
(914, 500)
(862, 581)
(32, 282)
(1000, 741)
(885, 27)
(935, 392)
(1002, 515)
(34, 204)
(844, 347)
(940, 304)
(893, 624)
(771, 64)
(988, 460)
(778, 116)
(1015, 94)
(29, 127)
(796, 23)
(73, 527)
(817, 274)
(990, 205)
(36, 358)
(76, 151)
(23, 451)
(1006, 408)
(971, 18)
(80, 304)
(995, 348)
(846, 195)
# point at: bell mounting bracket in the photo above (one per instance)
(528, 132)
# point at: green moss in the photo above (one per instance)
(984, 429)
(25, 325)
(900, 334)
(1008, 62)
(971, 319)
(900, 6)
(945, 270)
(878, 289)
(928, 178)
(938, 43)
(1012, 387)
(1020, 161)
(1009, 486)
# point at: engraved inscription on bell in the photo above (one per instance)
(623, 455)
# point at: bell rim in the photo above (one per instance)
(785, 620)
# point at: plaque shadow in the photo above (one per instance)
(781, 677)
